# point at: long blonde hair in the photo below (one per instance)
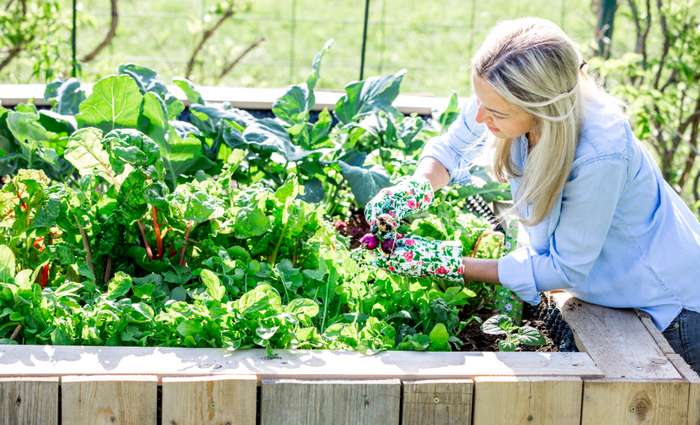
(533, 64)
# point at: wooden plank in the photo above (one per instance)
(611, 401)
(528, 400)
(655, 333)
(108, 400)
(28, 401)
(437, 402)
(616, 340)
(240, 97)
(294, 402)
(694, 391)
(210, 400)
(35, 360)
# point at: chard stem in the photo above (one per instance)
(142, 229)
(184, 245)
(86, 245)
(156, 228)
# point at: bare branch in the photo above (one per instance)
(696, 188)
(113, 23)
(208, 33)
(637, 25)
(645, 36)
(666, 43)
(10, 56)
(229, 66)
(690, 160)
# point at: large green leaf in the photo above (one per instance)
(209, 118)
(214, 287)
(7, 264)
(303, 308)
(450, 113)
(115, 102)
(86, 153)
(439, 338)
(268, 134)
(187, 87)
(129, 146)
(251, 221)
(154, 118)
(148, 82)
(366, 96)
(66, 96)
(499, 324)
(132, 197)
(314, 75)
(119, 286)
(364, 182)
(291, 107)
(528, 335)
(57, 123)
(194, 205)
(27, 129)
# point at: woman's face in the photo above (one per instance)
(503, 119)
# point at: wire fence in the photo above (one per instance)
(432, 40)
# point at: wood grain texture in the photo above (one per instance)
(694, 391)
(658, 336)
(29, 401)
(437, 402)
(616, 339)
(527, 400)
(293, 402)
(608, 401)
(35, 360)
(109, 400)
(210, 400)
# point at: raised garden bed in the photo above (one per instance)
(624, 374)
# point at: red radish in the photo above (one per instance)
(369, 241)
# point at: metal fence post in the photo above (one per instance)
(73, 41)
(364, 41)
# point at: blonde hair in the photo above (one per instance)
(534, 65)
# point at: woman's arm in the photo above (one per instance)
(474, 269)
(480, 270)
(433, 170)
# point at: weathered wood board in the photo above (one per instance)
(437, 402)
(294, 402)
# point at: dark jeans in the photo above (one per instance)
(684, 336)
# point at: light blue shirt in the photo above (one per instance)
(618, 235)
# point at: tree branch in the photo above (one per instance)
(645, 36)
(690, 160)
(229, 66)
(666, 43)
(10, 56)
(208, 33)
(113, 23)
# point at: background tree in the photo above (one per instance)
(659, 82)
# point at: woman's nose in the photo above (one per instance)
(480, 114)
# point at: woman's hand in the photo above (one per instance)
(385, 211)
(419, 257)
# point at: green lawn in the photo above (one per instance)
(433, 40)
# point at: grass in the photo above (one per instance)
(432, 40)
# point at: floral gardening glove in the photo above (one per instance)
(385, 211)
(420, 257)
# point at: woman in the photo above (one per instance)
(601, 220)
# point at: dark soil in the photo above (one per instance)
(555, 330)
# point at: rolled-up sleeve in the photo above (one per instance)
(457, 148)
(589, 202)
